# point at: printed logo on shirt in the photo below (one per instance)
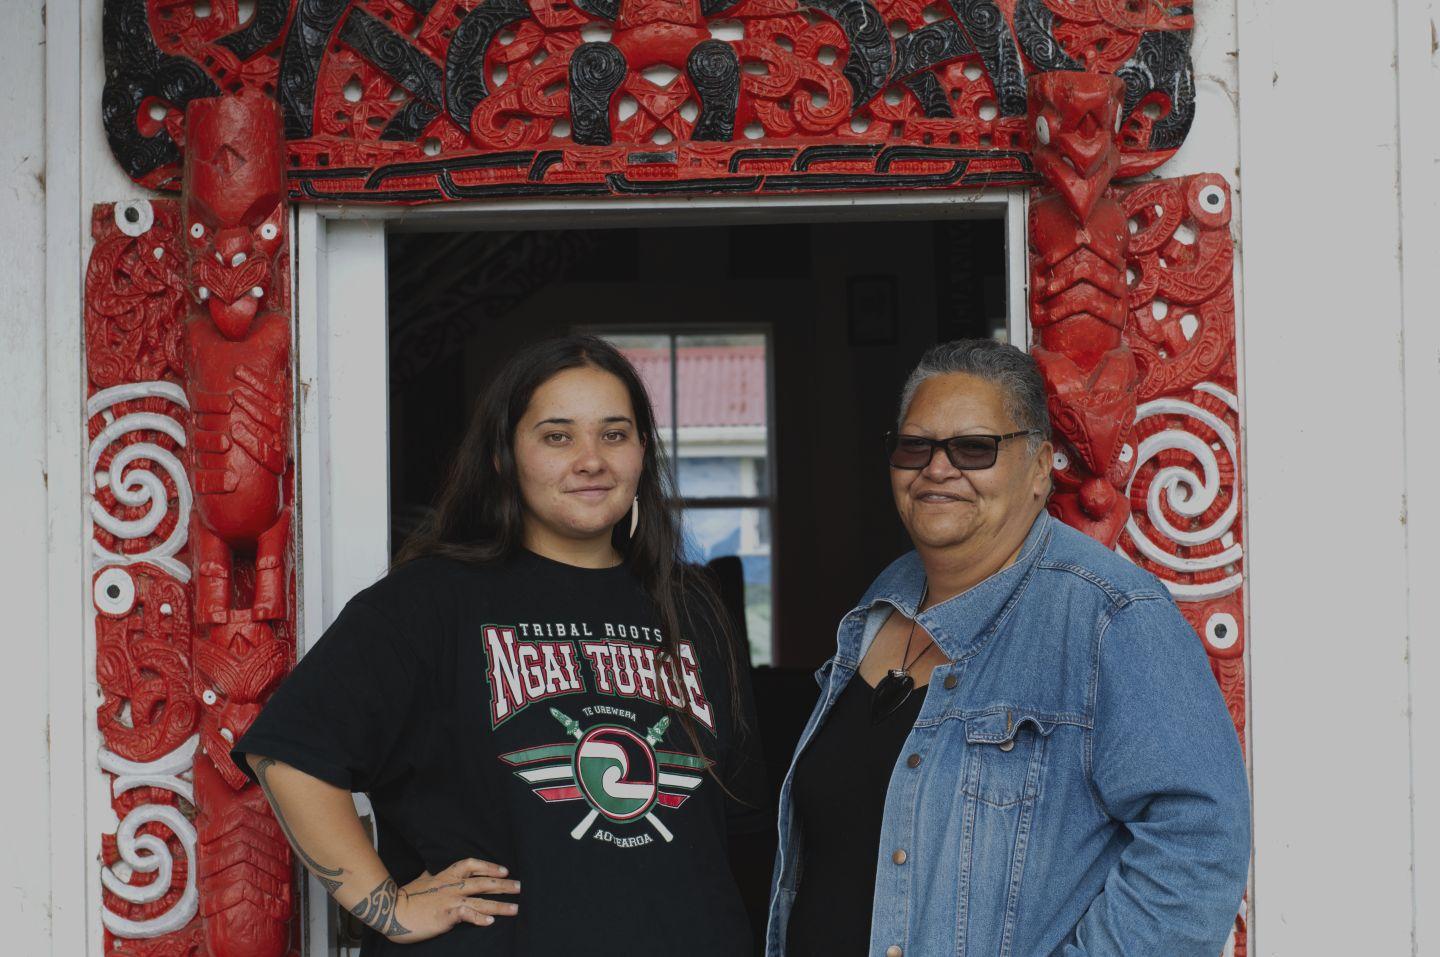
(618, 771)
(535, 662)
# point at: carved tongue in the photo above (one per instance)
(233, 318)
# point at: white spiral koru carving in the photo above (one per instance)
(144, 853)
(1188, 494)
(139, 486)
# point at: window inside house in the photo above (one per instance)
(710, 391)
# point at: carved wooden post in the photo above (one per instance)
(237, 379)
(1078, 297)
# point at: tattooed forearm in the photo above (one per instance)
(378, 910)
(330, 877)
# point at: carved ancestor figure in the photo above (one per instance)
(237, 350)
(1079, 300)
(237, 358)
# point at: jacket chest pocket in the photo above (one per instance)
(1006, 756)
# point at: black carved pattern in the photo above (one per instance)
(508, 160)
(395, 56)
(990, 34)
(409, 121)
(871, 54)
(263, 29)
(596, 72)
(828, 154)
(931, 95)
(419, 6)
(714, 68)
(798, 180)
(713, 8)
(1162, 63)
(928, 47)
(134, 70)
(315, 21)
(604, 9)
(1035, 27)
(465, 60)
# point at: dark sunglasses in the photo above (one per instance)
(967, 452)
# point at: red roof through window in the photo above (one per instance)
(717, 385)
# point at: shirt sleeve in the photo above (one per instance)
(1167, 764)
(340, 713)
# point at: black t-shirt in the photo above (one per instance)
(518, 713)
(840, 785)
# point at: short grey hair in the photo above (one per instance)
(1013, 370)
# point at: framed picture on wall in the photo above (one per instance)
(873, 304)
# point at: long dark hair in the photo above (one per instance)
(479, 517)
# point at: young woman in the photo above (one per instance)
(540, 700)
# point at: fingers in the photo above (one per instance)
(493, 908)
(468, 914)
(482, 912)
(472, 886)
(474, 867)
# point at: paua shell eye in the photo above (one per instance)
(114, 591)
(1222, 631)
(1042, 131)
(197, 231)
(269, 231)
(1212, 199)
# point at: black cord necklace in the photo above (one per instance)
(895, 688)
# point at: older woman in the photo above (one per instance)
(1019, 749)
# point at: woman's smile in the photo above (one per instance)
(592, 493)
(937, 496)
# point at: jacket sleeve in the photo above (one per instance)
(1166, 763)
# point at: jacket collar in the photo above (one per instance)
(959, 625)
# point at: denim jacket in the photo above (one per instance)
(1079, 788)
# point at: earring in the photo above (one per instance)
(634, 516)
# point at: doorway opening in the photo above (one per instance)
(774, 356)
(782, 342)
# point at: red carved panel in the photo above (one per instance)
(188, 351)
(1185, 492)
(1133, 325)
(140, 496)
(431, 100)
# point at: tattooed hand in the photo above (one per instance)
(430, 905)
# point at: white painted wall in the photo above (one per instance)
(1418, 92)
(1338, 214)
(25, 902)
(1339, 334)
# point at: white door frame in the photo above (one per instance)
(341, 340)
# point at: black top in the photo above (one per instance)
(517, 714)
(839, 799)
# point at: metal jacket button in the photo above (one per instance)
(894, 951)
(899, 857)
(1007, 745)
(950, 682)
(913, 761)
